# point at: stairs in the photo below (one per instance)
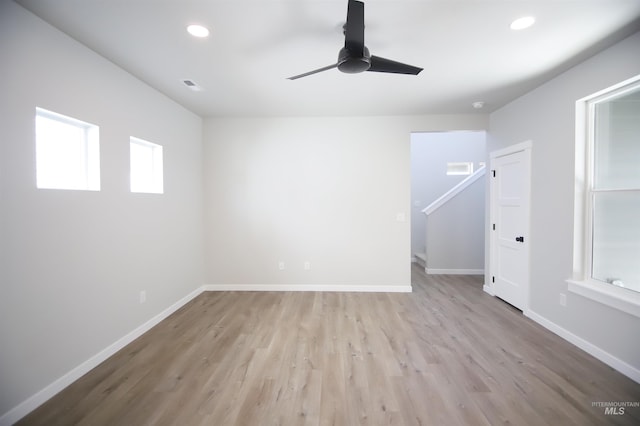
(421, 259)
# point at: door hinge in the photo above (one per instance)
(493, 172)
(493, 279)
(494, 226)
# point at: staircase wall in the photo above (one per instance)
(455, 233)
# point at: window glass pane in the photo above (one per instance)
(617, 142)
(464, 169)
(67, 153)
(146, 166)
(616, 238)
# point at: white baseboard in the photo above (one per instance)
(310, 287)
(487, 289)
(33, 402)
(628, 370)
(433, 271)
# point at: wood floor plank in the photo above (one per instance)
(446, 354)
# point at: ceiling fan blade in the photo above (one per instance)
(328, 67)
(379, 64)
(354, 28)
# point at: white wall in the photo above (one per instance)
(430, 153)
(547, 117)
(323, 190)
(73, 262)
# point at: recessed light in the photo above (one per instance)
(522, 23)
(478, 104)
(198, 31)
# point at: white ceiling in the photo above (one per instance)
(466, 49)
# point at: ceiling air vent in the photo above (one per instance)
(192, 85)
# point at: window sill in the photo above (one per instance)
(624, 300)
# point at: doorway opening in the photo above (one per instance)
(448, 201)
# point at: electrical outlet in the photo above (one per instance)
(563, 299)
(143, 296)
(307, 265)
(281, 265)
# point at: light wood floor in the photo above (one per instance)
(446, 354)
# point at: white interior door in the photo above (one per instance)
(509, 213)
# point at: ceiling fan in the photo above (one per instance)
(354, 57)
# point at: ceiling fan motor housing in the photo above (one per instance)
(354, 57)
(351, 63)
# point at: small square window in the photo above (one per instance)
(67, 153)
(146, 167)
(463, 169)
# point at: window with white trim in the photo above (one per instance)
(67, 152)
(607, 242)
(146, 166)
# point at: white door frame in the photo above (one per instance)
(524, 147)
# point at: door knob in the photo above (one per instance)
(520, 239)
